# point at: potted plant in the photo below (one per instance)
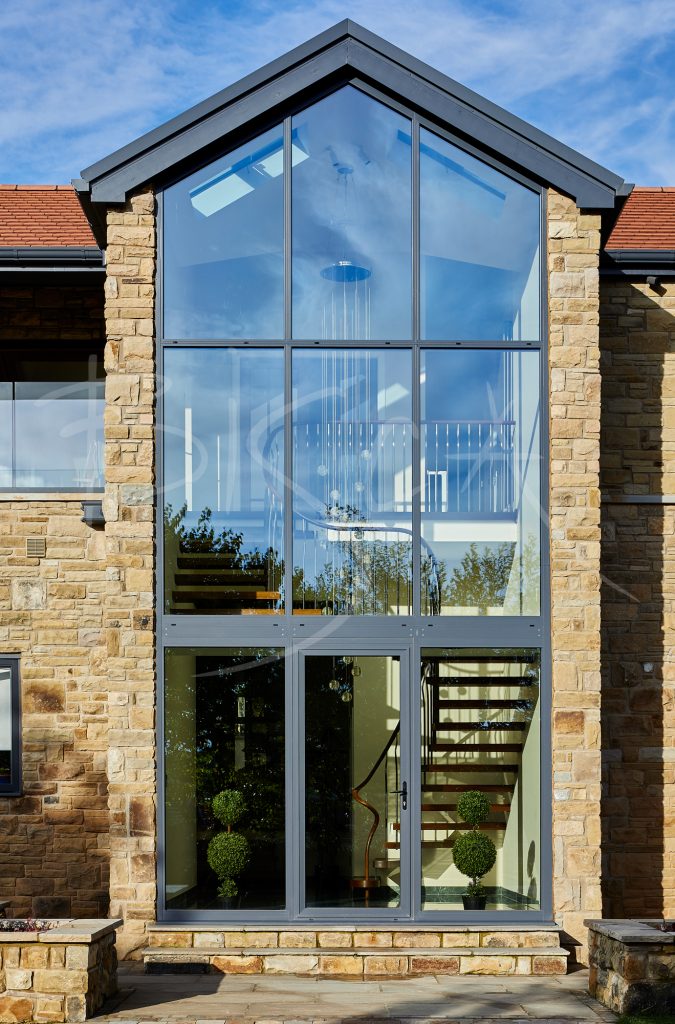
(474, 853)
(228, 851)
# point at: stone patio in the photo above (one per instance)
(188, 999)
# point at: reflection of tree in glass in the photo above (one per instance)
(203, 538)
(482, 578)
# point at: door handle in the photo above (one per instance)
(403, 793)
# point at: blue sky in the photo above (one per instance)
(79, 78)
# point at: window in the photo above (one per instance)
(51, 421)
(480, 478)
(10, 728)
(224, 481)
(479, 249)
(224, 246)
(352, 252)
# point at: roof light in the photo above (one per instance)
(244, 176)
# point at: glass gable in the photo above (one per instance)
(479, 249)
(352, 252)
(223, 246)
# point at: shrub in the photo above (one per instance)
(229, 806)
(474, 854)
(473, 807)
(227, 854)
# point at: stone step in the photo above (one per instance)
(340, 962)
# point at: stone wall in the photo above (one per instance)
(62, 974)
(638, 597)
(632, 967)
(573, 251)
(130, 555)
(54, 838)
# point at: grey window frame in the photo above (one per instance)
(15, 787)
(404, 635)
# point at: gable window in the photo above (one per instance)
(352, 484)
(10, 728)
(51, 420)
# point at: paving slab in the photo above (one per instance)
(270, 999)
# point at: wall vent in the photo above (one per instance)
(36, 547)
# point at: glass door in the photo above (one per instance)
(355, 842)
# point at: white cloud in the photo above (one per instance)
(83, 77)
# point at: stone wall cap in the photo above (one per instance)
(644, 932)
(82, 930)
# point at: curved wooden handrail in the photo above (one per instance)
(356, 795)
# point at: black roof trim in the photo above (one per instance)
(55, 257)
(638, 262)
(348, 50)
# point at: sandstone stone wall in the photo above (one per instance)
(130, 557)
(638, 597)
(54, 838)
(574, 370)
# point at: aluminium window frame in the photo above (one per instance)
(299, 634)
(15, 786)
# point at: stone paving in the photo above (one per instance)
(191, 999)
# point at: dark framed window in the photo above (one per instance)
(51, 419)
(10, 727)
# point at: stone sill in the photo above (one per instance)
(153, 953)
(373, 926)
(632, 932)
(67, 930)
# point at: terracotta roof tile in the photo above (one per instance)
(646, 220)
(42, 215)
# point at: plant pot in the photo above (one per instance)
(474, 902)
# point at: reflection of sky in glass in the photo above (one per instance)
(56, 439)
(479, 238)
(351, 206)
(223, 436)
(223, 246)
(5, 709)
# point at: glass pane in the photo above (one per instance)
(480, 735)
(59, 432)
(480, 482)
(352, 772)
(6, 727)
(223, 482)
(224, 245)
(6, 433)
(351, 220)
(224, 731)
(479, 248)
(352, 482)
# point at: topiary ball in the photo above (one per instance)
(229, 806)
(474, 854)
(473, 807)
(227, 854)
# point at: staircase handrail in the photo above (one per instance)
(356, 796)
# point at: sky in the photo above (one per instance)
(80, 78)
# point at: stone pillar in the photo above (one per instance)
(129, 607)
(574, 364)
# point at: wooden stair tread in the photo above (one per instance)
(453, 807)
(481, 726)
(454, 826)
(228, 592)
(479, 680)
(506, 768)
(487, 703)
(479, 659)
(507, 748)
(444, 787)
